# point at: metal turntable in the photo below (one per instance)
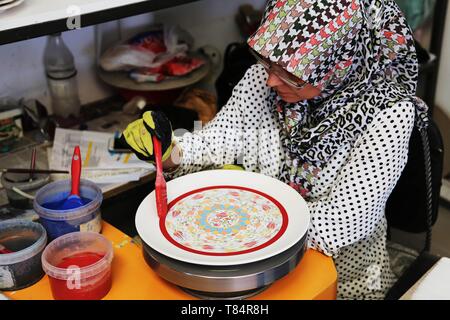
(225, 282)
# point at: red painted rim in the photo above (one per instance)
(162, 222)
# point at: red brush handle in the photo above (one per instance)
(158, 154)
(76, 171)
(160, 182)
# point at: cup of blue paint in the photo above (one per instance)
(57, 221)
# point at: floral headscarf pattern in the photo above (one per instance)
(360, 53)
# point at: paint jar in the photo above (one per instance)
(22, 267)
(59, 222)
(19, 188)
(79, 266)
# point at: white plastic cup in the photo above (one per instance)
(22, 267)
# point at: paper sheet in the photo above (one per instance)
(99, 165)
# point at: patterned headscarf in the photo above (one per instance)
(360, 53)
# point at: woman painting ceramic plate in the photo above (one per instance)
(328, 110)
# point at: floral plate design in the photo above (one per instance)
(224, 221)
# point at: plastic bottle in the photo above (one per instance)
(61, 77)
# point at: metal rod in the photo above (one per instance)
(21, 170)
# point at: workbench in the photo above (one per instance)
(315, 277)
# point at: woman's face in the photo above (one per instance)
(290, 88)
(288, 93)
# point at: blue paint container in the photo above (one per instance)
(60, 222)
(22, 267)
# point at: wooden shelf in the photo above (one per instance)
(35, 18)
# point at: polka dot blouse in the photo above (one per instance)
(348, 202)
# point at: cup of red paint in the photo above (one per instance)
(78, 265)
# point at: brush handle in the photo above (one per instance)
(76, 171)
(160, 182)
(158, 154)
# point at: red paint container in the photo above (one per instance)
(79, 266)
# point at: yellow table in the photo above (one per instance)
(314, 278)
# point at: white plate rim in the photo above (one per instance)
(10, 5)
(5, 2)
(296, 208)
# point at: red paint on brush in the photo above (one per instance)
(90, 288)
(160, 182)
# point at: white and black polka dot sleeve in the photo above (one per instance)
(221, 141)
(355, 204)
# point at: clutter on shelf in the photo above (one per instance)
(154, 55)
(10, 123)
(201, 101)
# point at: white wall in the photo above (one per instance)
(21, 69)
(443, 87)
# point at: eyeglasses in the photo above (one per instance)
(284, 76)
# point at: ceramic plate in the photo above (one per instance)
(10, 5)
(224, 217)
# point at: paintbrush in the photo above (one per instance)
(160, 182)
(33, 163)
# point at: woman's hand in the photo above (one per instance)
(138, 135)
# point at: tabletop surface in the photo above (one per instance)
(314, 278)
